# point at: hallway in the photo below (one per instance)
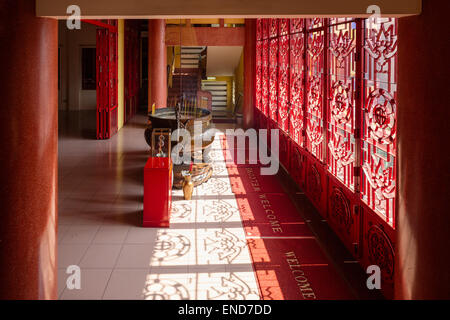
(215, 243)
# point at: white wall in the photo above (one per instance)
(71, 97)
(223, 60)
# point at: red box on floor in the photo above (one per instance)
(157, 192)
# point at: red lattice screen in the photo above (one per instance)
(332, 85)
(315, 78)
(297, 93)
(379, 117)
(107, 77)
(283, 83)
(341, 101)
(273, 78)
(265, 78)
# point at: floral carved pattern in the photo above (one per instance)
(340, 151)
(340, 210)
(341, 107)
(315, 46)
(259, 29)
(297, 25)
(283, 83)
(341, 46)
(258, 74)
(315, 95)
(265, 78)
(314, 184)
(273, 31)
(273, 79)
(381, 45)
(380, 116)
(381, 251)
(298, 168)
(284, 26)
(314, 132)
(380, 180)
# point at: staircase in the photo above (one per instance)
(190, 57)
(186, 80)
(218, 91)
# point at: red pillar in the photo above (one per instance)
(29, 139)
(423, 237)
(157, 63)
(249, 72)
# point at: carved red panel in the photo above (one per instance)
(265, 78)
(379, 118)
(316, 184)
(333, 21)
(297, 25)
(259, 29)
(283, 83)
(341, 102)
(107, 75)
(265, 28)
(298, 165)
(273, 28)
(379, 249)
(258, 77)
(315, 23)
(315, 86)
(344, 215)
(297, 75)
(273, 79)
(283, 26)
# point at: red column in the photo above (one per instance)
(28, 164)
(249, 72)
(423, 237)
(157, 63)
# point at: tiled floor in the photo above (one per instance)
(203, 255)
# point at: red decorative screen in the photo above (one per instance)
(297, 25)
(283, 26)
(315, 23)
(283, 83)
(273, 79)
(314, 94)
(297, 76)
(259, 29)
(273, 28)
(265, 29)
(379, 118)
(265, 78)
(341, 101)
(258, 75)
(332, 85)
(107, 75)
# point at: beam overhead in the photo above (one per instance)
(143, 9)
